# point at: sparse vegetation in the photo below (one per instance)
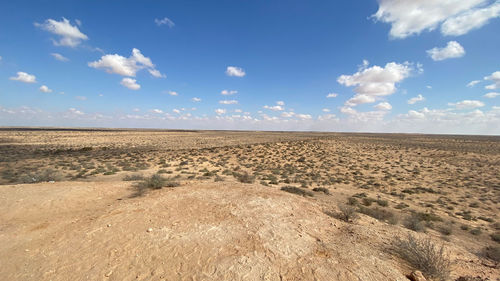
(347, 213)
(424, 255)
(297, 190)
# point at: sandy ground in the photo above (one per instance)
(211, 231)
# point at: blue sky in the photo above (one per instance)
(387, 66)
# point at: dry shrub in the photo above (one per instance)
(321, 189)
(424, 255)
(244, 177)
(42, 176)
(297, 190)
(347, 213)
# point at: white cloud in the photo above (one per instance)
(228, 93)
(45, 89)
(494, 77)
(383, 106)
(59, 57)
(325, 110)
(428, 87)
(442, 121)
(175, 110)
(130, 83)
(172, 93)
(136, 110)
(287, 114)
(416, 99)
(467, 104)
(360, 99)
(228, 102)
(156, 73)
(410, 17)
(472, 19)
(126, 66)
(282, 103)
(303, 116)
(491, 95)
(473, 83)
(452, 50)
(24, 77)
(238, 110)
(374, 82)
(70, 35)
(195, 99)
(75, 111)
(220, 111)
(274, 108)
(165, 21)
(82, 98)
(332, 95)
(235, 71)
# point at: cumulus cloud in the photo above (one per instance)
(195, 99)
(175, 110)
(443, 121)
(467, 104)
(383, 106)
(452, 50)
(59, 57)
(235, 71)
(494, 77)
(325, 110)
(220, 111)
(331, 95)
(472, 19)
(491, 95)
(165, 21)
(278, 107)
(24, 77)
(287, 114)
(374, 82)
(303, 116)
(70, 35)
(172, 93)
(360, 99)
(126, 66)
(45, 89)
(274, 108)
(228, 92)
(228, 102)
(130, 83)
(473, 83)
(416, 99)
(410, 17)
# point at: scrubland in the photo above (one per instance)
(217, 205)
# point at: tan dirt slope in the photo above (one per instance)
(204, 231)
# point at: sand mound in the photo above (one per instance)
(206, 231)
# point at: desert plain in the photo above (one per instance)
(99, 204)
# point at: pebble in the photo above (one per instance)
(150, 229)
(109, 225)
(109, 273)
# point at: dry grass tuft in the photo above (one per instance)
(424, 255)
